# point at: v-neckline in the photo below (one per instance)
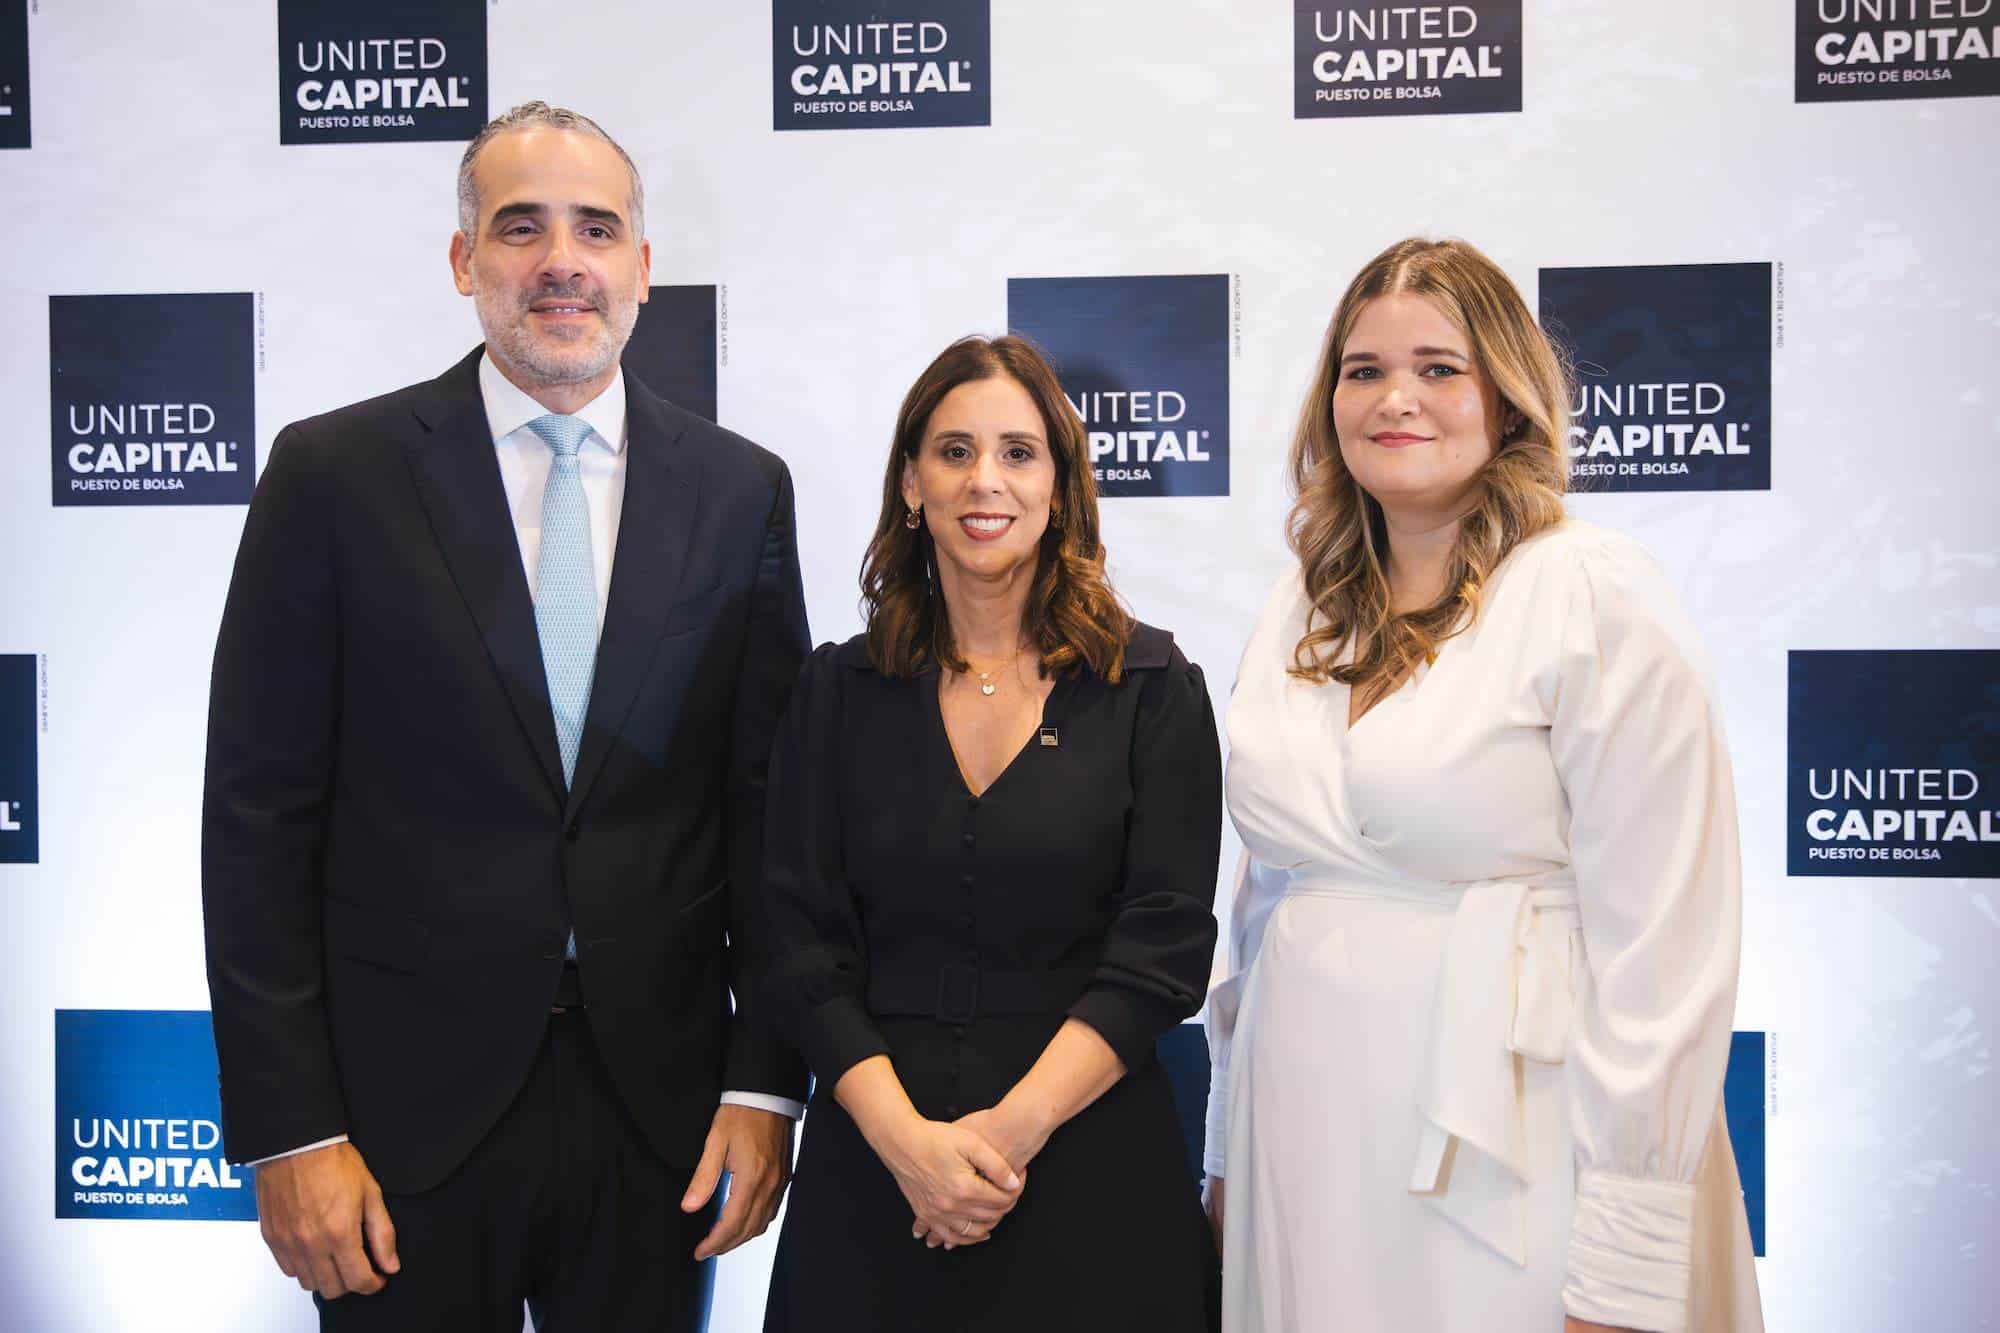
(1354, 720)
(1350, 722)
(1013, 761)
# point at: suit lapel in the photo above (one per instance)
(655, 529)
(458, 479)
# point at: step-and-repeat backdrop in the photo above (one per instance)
(1766, 230)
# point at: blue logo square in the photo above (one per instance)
(152, 399)
(15, 124)
(672, 350)
(1893, 759)
(1743, 1105)
(1145, 362)
(381, 71)
(862, 64)
(20, 773)
(139, 1119)
(1405, 60)
(1870, 52)
(1673, 368)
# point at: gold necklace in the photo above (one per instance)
(986, 685)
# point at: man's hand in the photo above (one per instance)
(322, 1215)
(755, 1148)
(1212, 1201)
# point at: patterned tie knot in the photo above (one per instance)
(564, 434)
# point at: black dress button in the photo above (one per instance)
(965, 881)
(571, 833)
(968, 838)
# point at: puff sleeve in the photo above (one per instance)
(1155, 962)
(1639, 747)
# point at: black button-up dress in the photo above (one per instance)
(955, 934)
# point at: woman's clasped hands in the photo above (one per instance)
(957, 1184)
(962, 1177)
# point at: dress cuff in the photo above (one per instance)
(1125, 1022)
(838, 1036)
(1629, 1252)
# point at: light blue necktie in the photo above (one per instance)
(566, 591)
(566, 586)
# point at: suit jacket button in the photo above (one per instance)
(571, 833)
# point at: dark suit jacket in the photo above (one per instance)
(390, 862)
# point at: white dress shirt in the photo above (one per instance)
(525, 459)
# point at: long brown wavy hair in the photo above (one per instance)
(1336, 528)
(1072, 618)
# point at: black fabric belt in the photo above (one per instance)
(961, 992)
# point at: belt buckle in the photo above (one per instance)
(958, 993)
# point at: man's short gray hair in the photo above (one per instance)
(533, 115)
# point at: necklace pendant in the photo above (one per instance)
(986, 687)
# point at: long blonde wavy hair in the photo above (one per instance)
(1337, 529)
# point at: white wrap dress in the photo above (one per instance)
(1472, 1018)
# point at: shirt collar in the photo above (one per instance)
(508, 409)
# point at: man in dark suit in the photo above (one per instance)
(493, 699)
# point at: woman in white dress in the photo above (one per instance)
(1471, 1024)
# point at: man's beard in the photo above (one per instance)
(592, 350)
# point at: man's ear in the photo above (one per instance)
(461, 263)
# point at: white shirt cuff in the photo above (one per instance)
(1630, 1249)
(294, 1152)
(764, 1101)
(759, 1101)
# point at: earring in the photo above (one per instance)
(915, 518)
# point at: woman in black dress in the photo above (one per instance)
(993, 831)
